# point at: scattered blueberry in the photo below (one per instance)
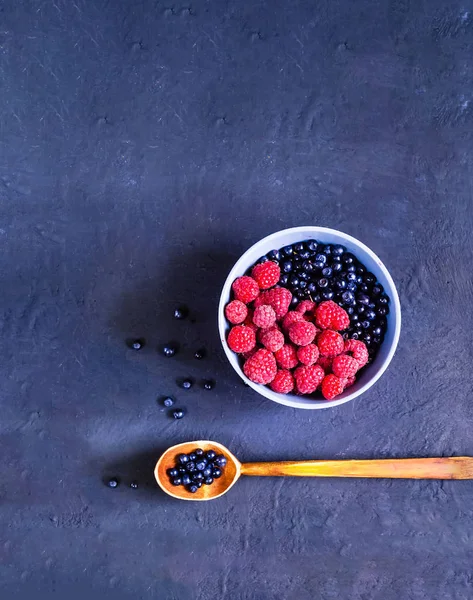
(137, 344)
(181, 312)
(168, 402)
(186, 384)
(178, 413)
(199, 354)
(169, 350)
(134, 485)
(113, 482)
(209, 384)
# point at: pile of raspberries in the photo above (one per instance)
(298, 351)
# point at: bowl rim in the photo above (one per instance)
(288, 399)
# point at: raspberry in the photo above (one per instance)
(236, 312)
(291, 317)
(308, 355)
(326, 363)
(329, 315)
(331, 386)
(245, 289)
(302, 333)
(349, 382)
(287, 357)
(330, 343)
(241, 339)
(306, 306)
(261, 367)
(345, 366)
(264, 316)
(272, 339)
(249, 354)
(261, 299)
(280, 299)
(308, 379)
(266, 274)
(358, 350)
(283, 383)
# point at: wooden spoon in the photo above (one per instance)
(456, 467)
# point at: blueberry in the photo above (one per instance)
(134, 485)
(302, 285)
(304, 276)
(377, 331)
(287, 251)
(364, 288)
(199, 452)
(284, 279)
(360, 309)
(311, 288)
(340, 284)
(366, 337)
(362, 299)
(168, 402)
(220, 461)
(216, 473)
(351, 285)
(350, 310)
(355, 335)
(369, 279)
(337, 267)
(190, 467)
(338, 250)
(182, 470)
(193, 456)
(318, 264)
(307, 266)
(169, 350)
(113, 482)
(207, 472)
(192, 488)
(348, 258)
(274, 255)
(317, 298)
(377, 289)
(346, 335)
(183, 458)
(200, 465)
(351, 269)
(312, 245)
(209, 384)
(186, 479)
(360, 269)
(321, 258)
(348, 297)
(286, 266)
(365, 324)
(327, 294)
(178, 413)
(354, 317)
(181, 312)
(327, 250)
(137, 344)
(370, 315)
(208, 480)
(197, 476)
(176, 481)
(186, 384)
(172, 472)
(305, 254)
(383, 299)
(382, 323)
(199, 354)
(359, 279)
(210, 454)
(299, 247)
(383, 311)
(376, 340)
(322, 283)
(351, 277)
(261, 260)
(294, 280)
(327, 272)
(294, 301)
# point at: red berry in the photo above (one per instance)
(329, 315)
(241, 339)
(306, 306)
(236, 312)
(348, 382)
(283, 383)
(302, 333)
(287, 357)
(264, 316)
(331, 386)
(345, 366)
(291, 317)
(308, 355)
(330, 343)
(308, 379)
(280, 299)
(261, 299)
(266, 274)
(245, 289)
(272, 339)
(358, 350)
(326, 363)
(261, 367)
(249, 354)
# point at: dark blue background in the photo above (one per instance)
(144, 145)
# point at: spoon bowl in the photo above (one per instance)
(230, 473)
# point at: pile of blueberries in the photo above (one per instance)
(196, 469)
(316, 271)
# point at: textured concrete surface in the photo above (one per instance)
(143, 146)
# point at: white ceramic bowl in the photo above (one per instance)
(369, 259)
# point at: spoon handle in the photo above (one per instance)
(457, 467)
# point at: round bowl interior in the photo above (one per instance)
(299, 234)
